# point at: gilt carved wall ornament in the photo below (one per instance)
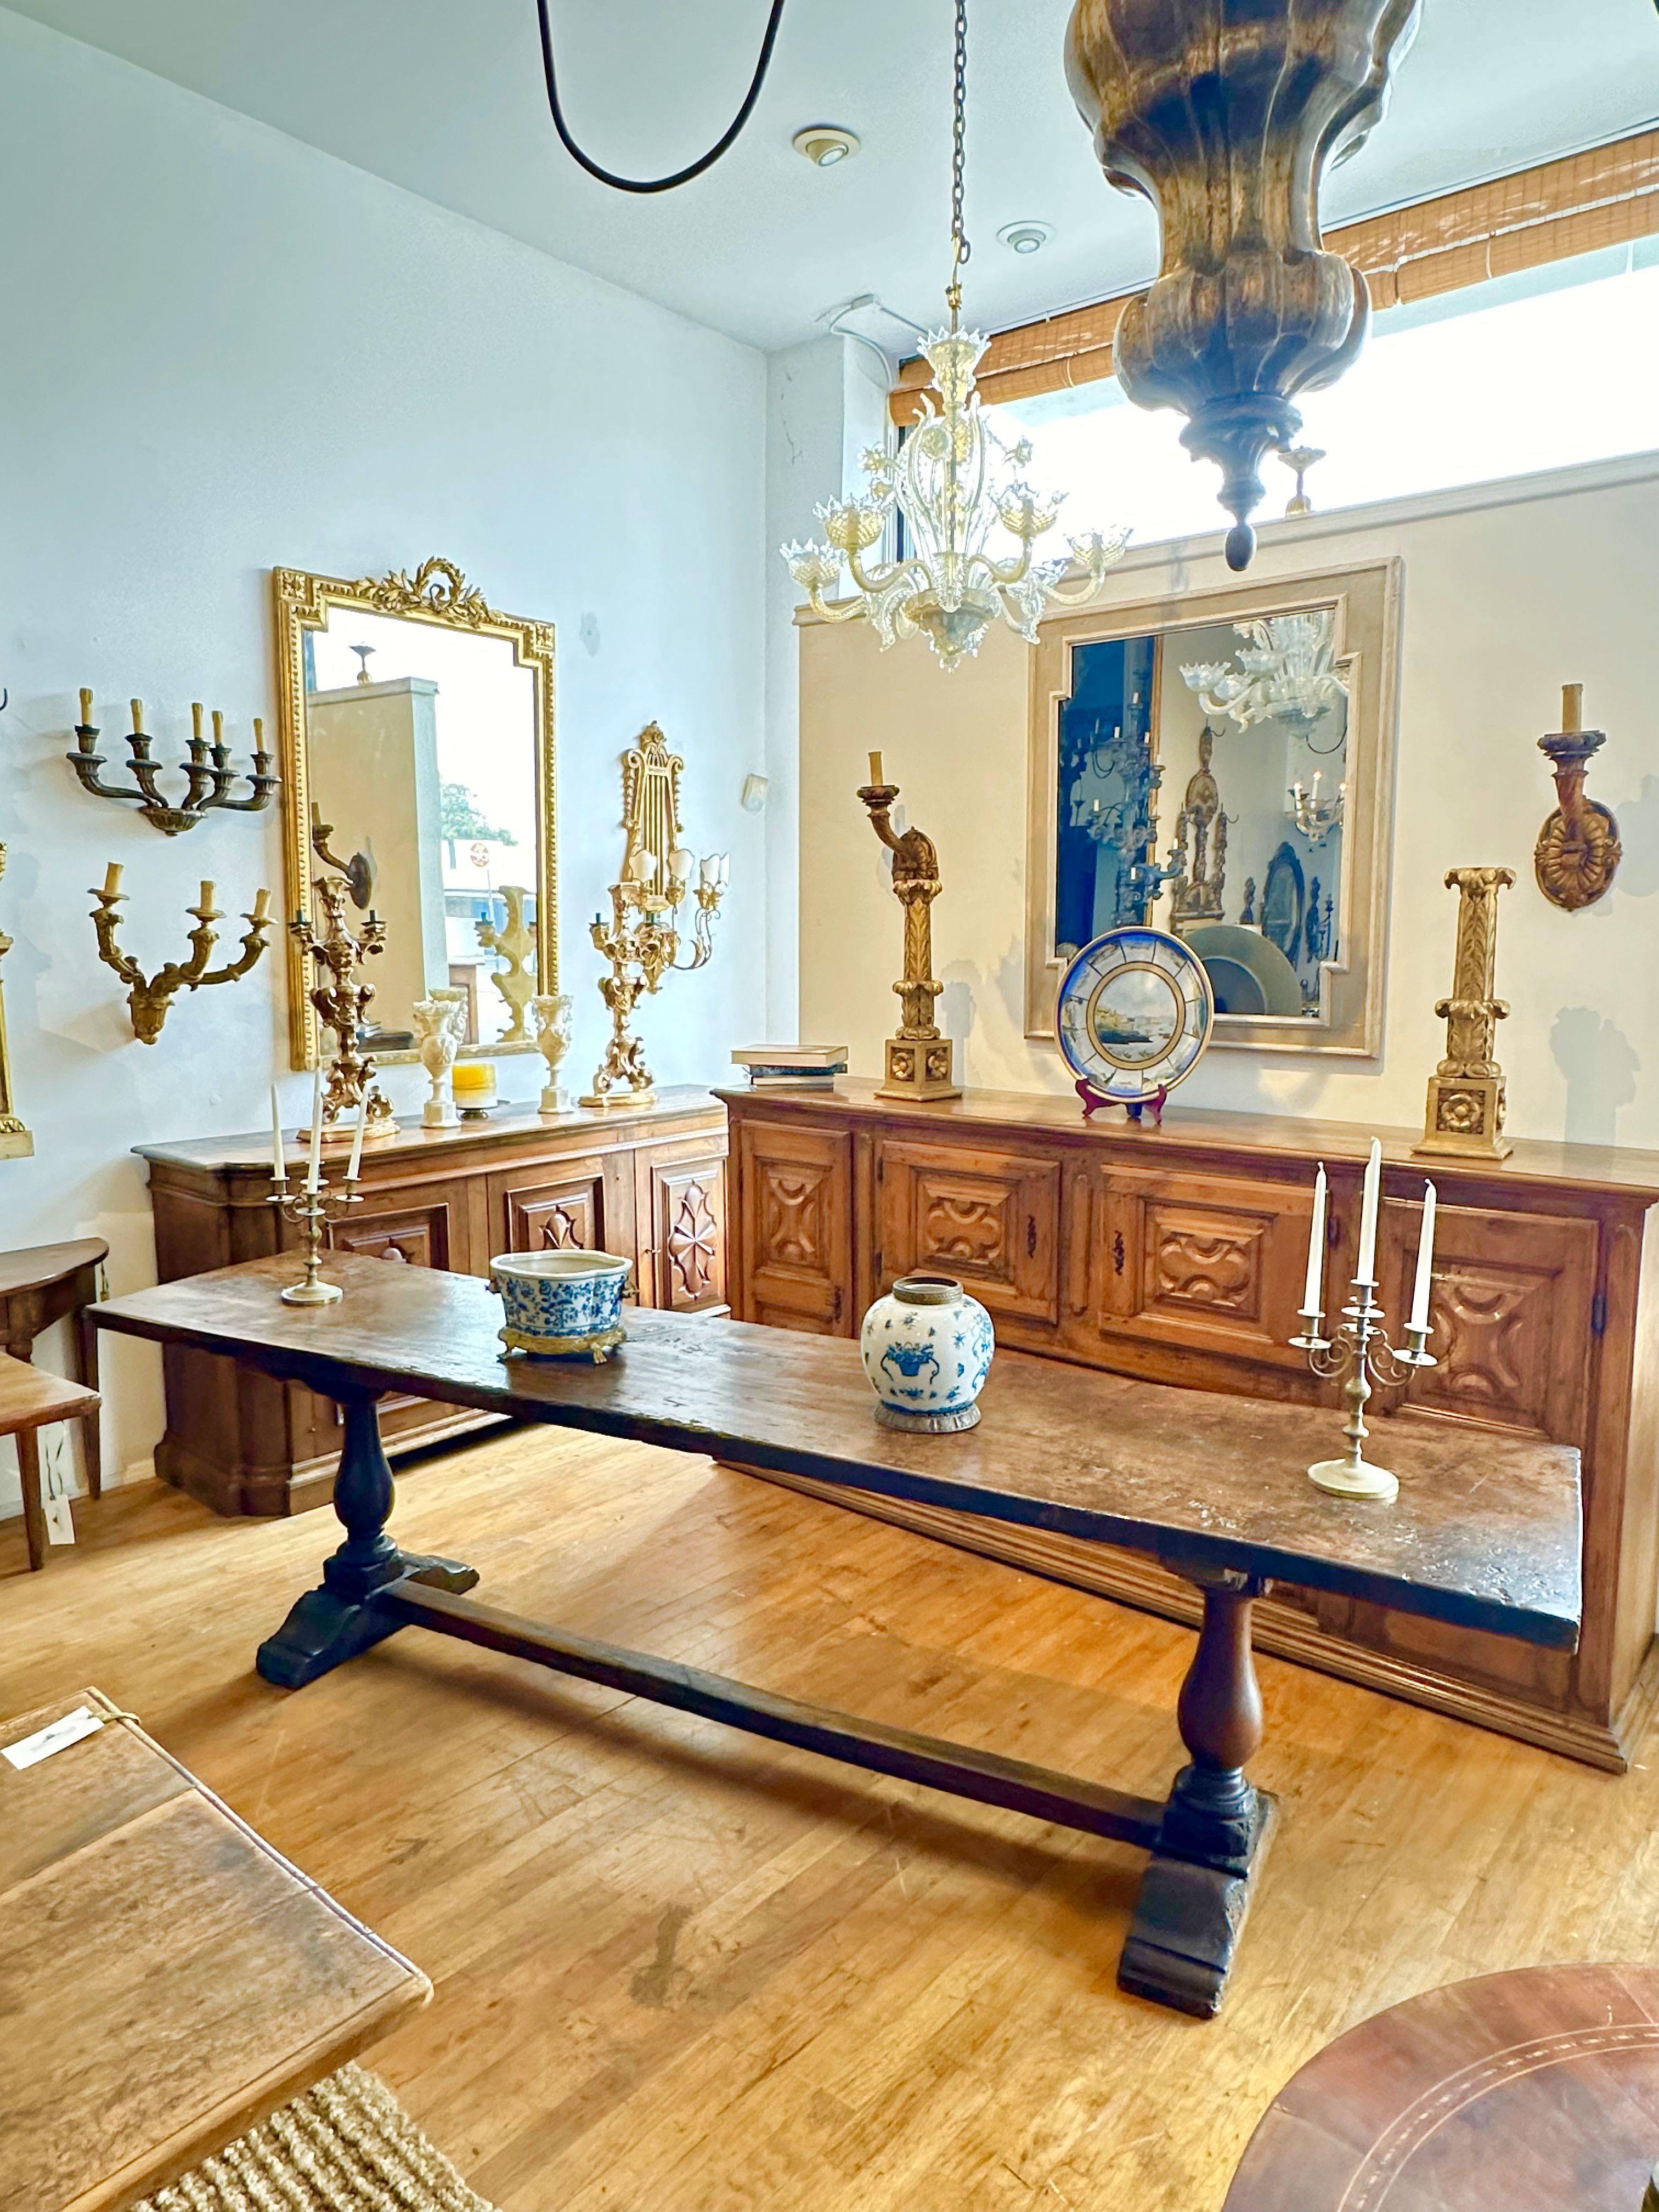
(1466, 1093)
(149, 997)
(1226, 118)
(1579, 852)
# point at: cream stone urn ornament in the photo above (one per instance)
(552, 1013)
(441, 1025)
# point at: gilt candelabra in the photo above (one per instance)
(149, 997)
(342, 999)
(207, 773)
(642, 940)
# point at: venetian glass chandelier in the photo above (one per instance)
(953, 482)
(1285, 671)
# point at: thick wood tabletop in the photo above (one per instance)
(1485, 1533)
(166, 1980)
(30, 1397)
(48, 1263)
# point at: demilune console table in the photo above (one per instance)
(1485, 1533)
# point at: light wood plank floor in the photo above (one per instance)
(681, 1971)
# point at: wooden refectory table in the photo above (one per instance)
(1485, 1533)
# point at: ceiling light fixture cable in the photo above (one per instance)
(694, 168)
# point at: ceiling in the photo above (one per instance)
(447, 100)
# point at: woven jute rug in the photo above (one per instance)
(346, 2146)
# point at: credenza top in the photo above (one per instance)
(505, 1123)
(1484, 1532)
(1201, 1134)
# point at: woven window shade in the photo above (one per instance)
(1579, 204)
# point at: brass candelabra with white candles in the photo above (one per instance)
(315, 1202)
(1358, 1350)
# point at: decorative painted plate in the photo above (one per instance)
(1134, 1013)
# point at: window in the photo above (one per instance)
(1501, 379)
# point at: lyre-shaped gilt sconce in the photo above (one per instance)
(1579, 852)
(208, 772)
(150, 997)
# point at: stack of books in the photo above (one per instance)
(792, 1067)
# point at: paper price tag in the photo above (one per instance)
(57, 1735)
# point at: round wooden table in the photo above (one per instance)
(1536, 2089)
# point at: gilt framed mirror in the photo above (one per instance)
(1221, 765)
(416, 730)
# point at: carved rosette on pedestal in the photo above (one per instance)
(1225, 118)
(1465, 1115)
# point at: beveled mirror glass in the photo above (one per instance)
(417, 759)
(1221, 766)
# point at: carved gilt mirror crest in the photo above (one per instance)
(417, 760)
(1221, 765)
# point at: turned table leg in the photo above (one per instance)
(85, 1344)
(337, 1620)
(1196, 1889)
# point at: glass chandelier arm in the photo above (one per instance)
(884, 580)
(834, 610)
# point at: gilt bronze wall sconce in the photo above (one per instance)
(342, 1000)
(208, 772)
(150, 997)
(1579, 852)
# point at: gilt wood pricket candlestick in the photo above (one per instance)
(921, 1063)
(1465, 1114)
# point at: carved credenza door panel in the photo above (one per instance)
(1201, 1264)
(552, 1209)
(1508, 1299)
(424, 1229)
(797, 1227)
(991, 1218)
(683, 1258)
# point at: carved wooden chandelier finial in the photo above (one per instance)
(1225, 118)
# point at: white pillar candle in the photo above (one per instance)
(313, 1165)
(1366, 1271)
(1424, 1261)
(357, 1140)
(278, 1162)
(1312, 1298)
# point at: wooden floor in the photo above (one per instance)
(680, 1971)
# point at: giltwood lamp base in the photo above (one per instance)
(920, 1067)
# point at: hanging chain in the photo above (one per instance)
(961, 251)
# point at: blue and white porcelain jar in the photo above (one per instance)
(927, 1348)
(559, 1303)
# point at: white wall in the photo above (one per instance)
(1508, 594)
(825, 404)
(226, 351)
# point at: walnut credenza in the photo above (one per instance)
(647, 1183)
(1179, 1254)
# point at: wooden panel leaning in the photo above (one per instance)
(170, 1980)
(648, 1184)
(1177, 1254)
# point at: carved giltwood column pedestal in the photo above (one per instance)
(918, 1062)
(1465, 1116)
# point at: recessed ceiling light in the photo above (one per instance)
(824, 144)
(1028, 237)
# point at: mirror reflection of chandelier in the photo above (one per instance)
(952, 481)
(1285, 671)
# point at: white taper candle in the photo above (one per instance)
(278, 1161)
(314, 1164)
(357, 1140)
(1424, 1261)
(1312, 1298)
(1366, 1271)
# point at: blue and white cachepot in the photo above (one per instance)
(927, 1348)
(559, 1304)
